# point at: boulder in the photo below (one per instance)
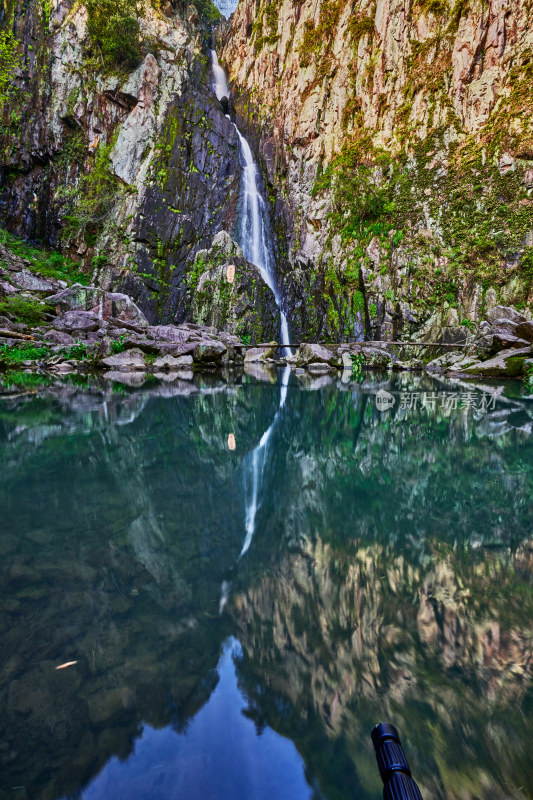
(525, 331)
(505, 341)
(319, 368)
(128, 360)
(6, 288)
(77, 321)
(463, 363)
(12, 326)
(443, 363)
(229, 293)
(10, 260)
(105, 304)
(168, 333)
(207, 351)
(256, 355)
(504, 313)
(223, 246)
(411, 364)
(314, 354)
(505, 326)
(159, 347)
(170, 362)
(59, 337)
(123, 324)
(375, 357)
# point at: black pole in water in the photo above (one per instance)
(398, 783)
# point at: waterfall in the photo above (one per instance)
(254, 234)
(257, 248)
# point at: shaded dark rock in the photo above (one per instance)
(504, 341)
(200, 166)
(525, 331)
(59, 337)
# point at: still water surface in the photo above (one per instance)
(388, 574)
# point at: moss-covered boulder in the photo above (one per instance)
(228, 293)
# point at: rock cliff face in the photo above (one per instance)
(130, 170)
(397, 140)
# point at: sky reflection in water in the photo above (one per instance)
(221, 755)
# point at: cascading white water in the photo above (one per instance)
(254, 239)
(257, 249)
(221, 83)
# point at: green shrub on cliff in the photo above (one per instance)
(10, 63)
(93, 200)
(22, 310)
(114, 28)
(48, 263)
(208, 12)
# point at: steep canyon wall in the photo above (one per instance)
(131, 168)
(397, 140)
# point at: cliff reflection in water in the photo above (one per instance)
(389, 576)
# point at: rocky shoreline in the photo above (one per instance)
(86, 328)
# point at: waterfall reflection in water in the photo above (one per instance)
(253, 468)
